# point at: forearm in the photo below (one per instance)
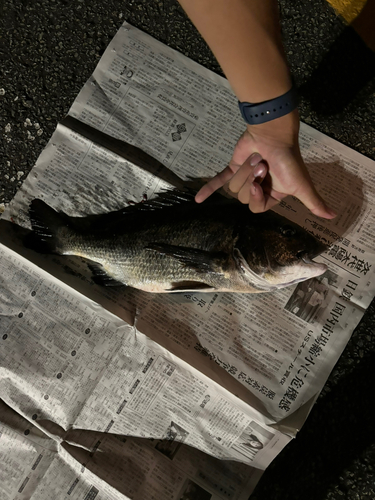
(244, 36)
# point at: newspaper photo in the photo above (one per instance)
(113, 392)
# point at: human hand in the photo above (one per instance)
(267, 166)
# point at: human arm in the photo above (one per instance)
(245, 37)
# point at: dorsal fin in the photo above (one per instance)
(164, 199)
(172, 198)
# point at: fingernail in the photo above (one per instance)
(260, 171)
(331, 212)
(255, 158)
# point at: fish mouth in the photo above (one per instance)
(319, 268)
(308, 268)
(303, 256)
(306, 259)
(315, 269)
(308, 256)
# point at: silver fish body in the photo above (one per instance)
(173, 244)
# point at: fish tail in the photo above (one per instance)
(46, 224)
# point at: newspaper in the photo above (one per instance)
(118, 393)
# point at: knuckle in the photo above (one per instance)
(243, 197)
(233, 186)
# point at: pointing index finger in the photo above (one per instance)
(214, 184)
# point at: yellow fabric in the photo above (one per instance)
(348, 9)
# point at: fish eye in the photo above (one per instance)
(287, 231)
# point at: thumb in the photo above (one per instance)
(315, 203)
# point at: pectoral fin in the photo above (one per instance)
(190, 286)
(199, 260)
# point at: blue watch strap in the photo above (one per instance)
(262, 112)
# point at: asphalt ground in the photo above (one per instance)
(48, 49)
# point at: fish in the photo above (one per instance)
(173, 244)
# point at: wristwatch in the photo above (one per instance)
(261, 112)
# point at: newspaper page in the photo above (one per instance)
(106, 466)
(74, 372)
(280, 347)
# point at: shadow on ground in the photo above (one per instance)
(345, 70)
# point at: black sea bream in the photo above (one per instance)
(172, 244)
